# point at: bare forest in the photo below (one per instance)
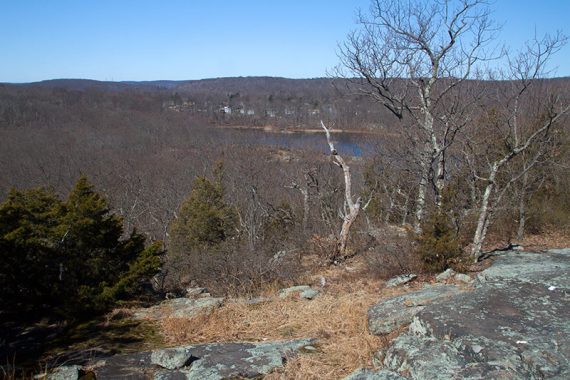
(415, 155)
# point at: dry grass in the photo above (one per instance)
(547, 240)
(338, 318)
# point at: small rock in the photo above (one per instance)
(400, 280)
(445, 275)
(476, 348)
(304, 291)
(171, 358)
(69, 372)
(460, 277)
(195, 292)
(309, 294)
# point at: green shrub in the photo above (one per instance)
(438, 245)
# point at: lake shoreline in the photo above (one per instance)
(294, 130)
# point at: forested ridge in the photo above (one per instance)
(143, 144)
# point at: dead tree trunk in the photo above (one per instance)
(352, 208)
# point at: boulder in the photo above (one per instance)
(400, 280)
(445, 275)
(171, 358)
(179, 308)
(309, 294)
(513, 326)
(390, 314)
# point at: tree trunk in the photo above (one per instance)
(482, 222)
(440, 180)
(522, 208)
(421, 197)
(353, 207)
(306, 208)
(405, 210)
(344, 232)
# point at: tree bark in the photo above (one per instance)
(522, 208)
(421, 197)
(482, 222)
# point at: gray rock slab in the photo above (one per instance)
(548, 269)
(136, 366)
(179, 308)
(390, 314)
(400, 280)
(203, 361)
(368, 374)
(515, 325)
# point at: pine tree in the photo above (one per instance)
(204, 219)
(68, 256)
(29, 252)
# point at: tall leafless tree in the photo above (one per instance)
(524, 124)
(411, 57)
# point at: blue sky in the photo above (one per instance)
(193, 39)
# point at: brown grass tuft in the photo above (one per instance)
(338, 318)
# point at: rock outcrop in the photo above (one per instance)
(514, 325)
(197, 362)
(179, 308)
(393, 313)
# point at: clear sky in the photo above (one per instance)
(193, 39)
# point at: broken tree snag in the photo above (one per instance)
(351, 207)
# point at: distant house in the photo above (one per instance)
(250, 112)
(226, 110)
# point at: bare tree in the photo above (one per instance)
(352, 208)
(411, 57)
(524, 125)
(309, 181)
